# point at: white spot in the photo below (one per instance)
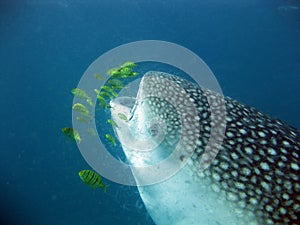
(286, 143)
(258, 191)
(229, 134)
(295, 154)
(239, 123)
(256, 157)
(190, 132)
(282, 210)
(246, 171)
(268, 177)
(253, 201)
(242, 131)
(199, 142)
(249, 150)
(207, 128)
(265, 185)
(234, 155)
(278, 189)
(287, 185)
(285, 196)
(228, 119)
(242, 194)
(264, 166)
(240, 185)
(261, 152)
(263, 142)
(216, 176)
(253, 134)
(253, 179)
(284, 151)
(231, 142)
(240, 140)
(226, 176)
(234, 173)
(283, 158)
(224, 165)
(279, 181)
(261, 134)
(273, 141)
(257, 171)
(271, 151)
(269, 208)
(295, 166)
(232, 197)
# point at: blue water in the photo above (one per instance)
(253, 48)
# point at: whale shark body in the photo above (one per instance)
(252, 175)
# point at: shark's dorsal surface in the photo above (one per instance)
(254, 178)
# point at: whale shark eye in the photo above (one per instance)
(157, 128)
(153, 129)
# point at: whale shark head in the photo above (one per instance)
(161, 129)
(249, 174)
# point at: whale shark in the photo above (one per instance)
(249, 174)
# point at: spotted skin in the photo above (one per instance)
(258, 164)
(257, 167)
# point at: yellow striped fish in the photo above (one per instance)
(92, 179)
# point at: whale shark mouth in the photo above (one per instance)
(248, 174)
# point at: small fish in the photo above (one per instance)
(102, 103)
(113, 71)
(81, 119)
(111, 139)
(106, 88)
(99, 77)
(129, 64)
(116, 84)
(124, 71)
(110, 90)
(91, 131)
(81, 109)
(101, 100)
(72, 134)
(103, 94)
(79, 93)
(113, 123)
(92, 179)
(106, 95)
(122, 116)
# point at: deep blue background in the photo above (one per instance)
(253, 47)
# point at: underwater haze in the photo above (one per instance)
(252, 47)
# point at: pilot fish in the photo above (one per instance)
(254, 172)
(92, 179)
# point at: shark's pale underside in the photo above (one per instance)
(252, 179)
